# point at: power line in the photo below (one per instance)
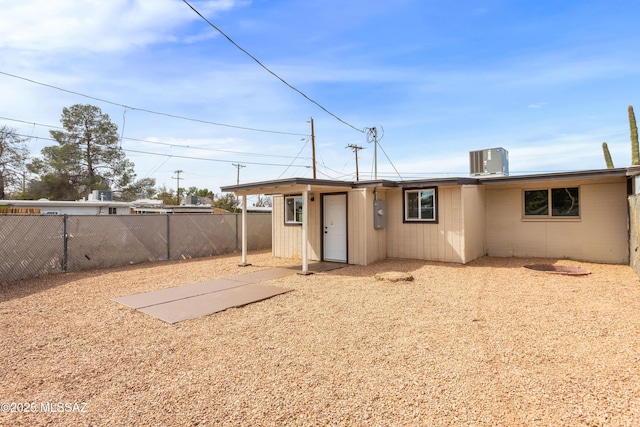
(206, 159)
(175, 116)
(409, 174)
(239, 166)
(178, 172)
(394, 166)
(177, 156)
(285, 171)
(268, 70)
(355, 149)
(242, 153)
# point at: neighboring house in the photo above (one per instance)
(96, 207)
(52, 207)
(147, 207)
(578, 215)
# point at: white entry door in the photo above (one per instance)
(334, 227)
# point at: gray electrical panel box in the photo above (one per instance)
(379, 214)
(492, 161)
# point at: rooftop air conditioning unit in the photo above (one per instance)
(190, 200)
(492, 161)
(102, 195)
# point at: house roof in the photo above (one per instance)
(296, 185)
(62, 203)
(585, 174)
(289, 185)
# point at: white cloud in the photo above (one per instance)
(95, 25)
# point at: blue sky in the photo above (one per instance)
(547, 80)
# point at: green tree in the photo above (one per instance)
(167, 195)
(86, 158)
(13, 156)
(141, 189)
(227, 202)
(200, 192)
(263, 201)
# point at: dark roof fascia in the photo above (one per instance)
(284, 183)
(633, 170)
(382, 183)
(585, 174)
(482, 180)
(438, 182)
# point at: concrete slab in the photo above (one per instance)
(320, 266)
(147, 299)
(263, 275)
(200, 299)
(203, 305)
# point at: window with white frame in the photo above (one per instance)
(552, 203)
(113, 211)
(293, 210)
(421, 205)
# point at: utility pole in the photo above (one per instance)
(238, 165)
(355, 149)
(177, 177)
(374, 136)
(313, 149)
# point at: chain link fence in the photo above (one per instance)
(36, 245)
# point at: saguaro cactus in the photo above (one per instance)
(635, 156)
(607, 156)
(635, 161)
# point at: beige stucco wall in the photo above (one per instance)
(287, 239)
(600, 235)
(473, 211)
(366, 244)
(634, 235)
(443, 241)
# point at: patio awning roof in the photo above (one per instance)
(286, 186)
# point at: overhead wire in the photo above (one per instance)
(269, 71)
(394, 166)
(242, 153)
(299, 152)
(175, 116)
(208, 159)
(181, 156)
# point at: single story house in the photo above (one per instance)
(581, 215)
(53, 207)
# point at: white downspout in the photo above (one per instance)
(244, 231)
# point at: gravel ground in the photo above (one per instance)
(485, 344)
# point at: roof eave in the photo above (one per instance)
(585, 174)
(282, 185)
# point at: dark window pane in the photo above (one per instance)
(299, 209)
(564, 202)
(426, 204)
(290, 215)
(536, 202)
(412, 205)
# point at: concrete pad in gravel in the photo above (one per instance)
(203, 305)
(261, 276)
(161, 296)
(203, 298)
(200, 299)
